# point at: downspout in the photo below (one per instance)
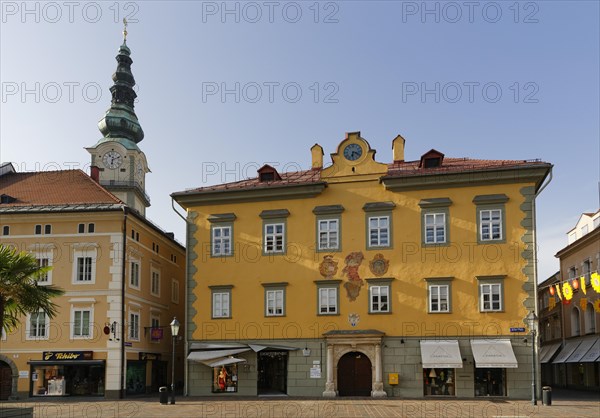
(123, 272)
(185, 298)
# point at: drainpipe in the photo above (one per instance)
(185, 298)
(123, 272)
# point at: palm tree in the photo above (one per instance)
(20, 293)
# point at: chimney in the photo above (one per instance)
(95, 173)
(317, 157)
(398, 148)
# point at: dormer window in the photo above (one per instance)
(4, 198)
(268, 173)
(431, 159)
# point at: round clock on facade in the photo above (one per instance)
(353, 152)
(112, 159)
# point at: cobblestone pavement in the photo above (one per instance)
(290, 407)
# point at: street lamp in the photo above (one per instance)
(532, 319)
(174, 331)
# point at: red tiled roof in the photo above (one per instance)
(47, 188)
(287, 179)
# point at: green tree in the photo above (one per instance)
(20, 293)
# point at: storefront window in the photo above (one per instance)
(225, 378)
(136, 377)
(59, 380)
(490, 382)
(438, 382)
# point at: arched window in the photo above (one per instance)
(590, 319)
(575, 330)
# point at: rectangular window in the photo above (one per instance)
(174, 291)
(38, 326)
(221, 241)
(47, 229)
(84, 269)
(91, 228)
(491, 297)
(43, 277)
(328, 231)
(221, 305)
(274, 303)
(439, 300)
(154, 324)
(134, 325)
(435, 228)
(81, 228)
(584, 230)
(155, 283)
(490, 223)
(328, 300)
(134, 276)
(38, 230)
(81, 323)
(6, 230)
(379, 231)
(379, 298)
(274, 238)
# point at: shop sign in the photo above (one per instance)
(149, 356)
(128, 344)
(67, 355)
(23, 374)
(156, 333)
(517, 330)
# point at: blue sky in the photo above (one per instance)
(226, 86)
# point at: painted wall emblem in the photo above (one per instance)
(353, 319)
(328, 267)
(379, 265)
(354, 283)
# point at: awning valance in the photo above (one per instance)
(493, 353)
(566, 352)
(581, 350)
(260, 347)
(216, 346)
(593, 353)
(441, 354)
(223, 361)
(548, 351)
(206, 355)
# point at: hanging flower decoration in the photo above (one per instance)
(582, 284)
(597, 305)
(567, 291)
(595, 279)
(583, 304)
(552, 291)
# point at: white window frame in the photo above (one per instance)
(82, 309)
(174, 291)
(432, 223)
(275, 302)
(133, 325)
(435, 292)
(326, 293)
(37, 328)
(272, 237)
(85, 251)
(331, 235)
(222, 245)
(378, 229)
(490, 223)
(221, 304)
(487, 289)
(132, 263)
(48, 256)
(375, 297)
(155, 281)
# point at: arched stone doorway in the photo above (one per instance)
(9, 376)
(354, 375)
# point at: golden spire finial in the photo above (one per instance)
(124, 30)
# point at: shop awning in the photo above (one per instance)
(259, 347)
(493, 353)
(566, 351)
(441, 354)
(216, 346)
(580, 351)
(214, 354)
(593, 353)
(223, 361)
(548, 351)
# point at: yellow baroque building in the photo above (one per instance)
(363, 278)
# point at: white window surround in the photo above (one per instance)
(275, 302)
(154, 281)
(328, 303)
(48, 256)
(490, 225)
(135, 273)
(491, 297)
(435, 228)
(222, 240)
(439, 298)
(133, 328)
(87, 254)
(379, 298)
(77, 317)
(274, 241)
(328, 234)
(379, 231)
(221, 304)
(40, 331)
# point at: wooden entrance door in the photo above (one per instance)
(5, 381)
(354, 376)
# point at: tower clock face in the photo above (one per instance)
(112, 159)
(353, 152)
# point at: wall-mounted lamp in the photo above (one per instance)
(306, 352)
(402, 341)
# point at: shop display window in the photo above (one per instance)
(438, 382)
(58, 380)
(490, 382)
(225, 379)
